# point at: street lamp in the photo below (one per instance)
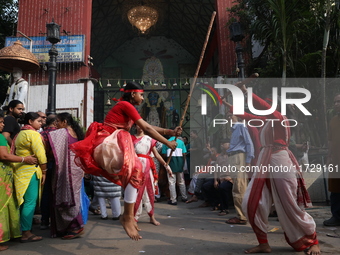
(236, 35)
(53, 36)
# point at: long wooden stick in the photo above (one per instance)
(192, 85)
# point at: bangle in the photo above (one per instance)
(23, 160)
(164, 131)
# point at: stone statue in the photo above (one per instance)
(18, 89)
(153, 110)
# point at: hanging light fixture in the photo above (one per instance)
(142, 17)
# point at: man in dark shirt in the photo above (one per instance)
(14, 111)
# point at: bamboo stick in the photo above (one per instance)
(192, 85)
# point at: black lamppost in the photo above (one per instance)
(53, 36)
(236, 35)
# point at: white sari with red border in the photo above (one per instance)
(285, 189)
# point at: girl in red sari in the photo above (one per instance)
(108, 150)
(286, 189)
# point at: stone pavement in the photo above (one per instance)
(185, 229)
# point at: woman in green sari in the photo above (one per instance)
(9, 209)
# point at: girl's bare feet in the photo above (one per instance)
(154, 221)
(314, 250)
(130, 226)
(136, 225)
(261, 248)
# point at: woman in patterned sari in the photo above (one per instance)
(9, 210)
(66, 217)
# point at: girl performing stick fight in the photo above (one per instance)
(108, 150)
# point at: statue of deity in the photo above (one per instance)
(153, 110)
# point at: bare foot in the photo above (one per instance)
(130, 226)
(3, 247)
(136, 225)
(314, 250)
(154, 221)
(261, 248)
(193, 199)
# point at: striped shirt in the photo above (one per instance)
(177, 160)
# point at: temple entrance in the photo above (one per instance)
(163, 59)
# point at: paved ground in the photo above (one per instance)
(185, 229)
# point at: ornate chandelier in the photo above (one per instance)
(142, 17)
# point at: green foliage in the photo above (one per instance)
(291, 27)
(292, 34)
(8, 19)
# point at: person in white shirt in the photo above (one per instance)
(18, 89)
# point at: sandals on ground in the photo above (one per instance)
(32, 238)
(236, 221)
(73, 234)
(223, 212)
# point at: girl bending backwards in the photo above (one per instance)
(144, 146)
(108, 150)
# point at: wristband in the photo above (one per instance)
(23, 160)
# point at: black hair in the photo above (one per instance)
(1, 115)
(13, 104)
(50, 119)
(71, 122)
(130, 85)
(30, 116)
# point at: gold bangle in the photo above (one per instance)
(164, 133)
